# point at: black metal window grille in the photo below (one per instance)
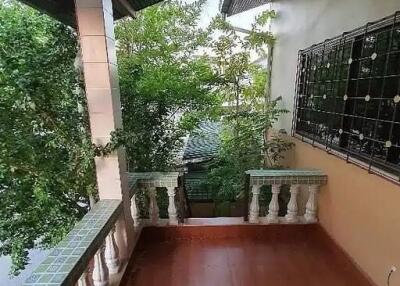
(348, 94)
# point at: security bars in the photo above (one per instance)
(348, 95)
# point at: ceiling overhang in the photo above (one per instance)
(232, 7)
(64, 10)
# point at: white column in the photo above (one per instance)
(100, 270)
(153, 207)
(254, 205)
(291, 216)
(111, 253)
(135, 211)
(273, 209)
(311, 206)
(82, 279)
(173, 218)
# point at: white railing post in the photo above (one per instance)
(153, 211)
(273, 209)
(254, 205)
(173, 218)
(100, 270)
(82, 280)
(311, 207)
(291, 216)
(135, 211)
(111, 253)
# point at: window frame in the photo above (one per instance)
(372, 164)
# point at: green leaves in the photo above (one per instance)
(165, 86)
(46, 158)
(248, 113)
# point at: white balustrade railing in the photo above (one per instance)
(311, 206)
(254, 205)
(308, 180)
(100, 270)
(172, 214)
(82, 280)
(135, 212)
(273, 209)
(292, 209)
(153, 208)
(152, 184)
(94, 238)
(111, 253)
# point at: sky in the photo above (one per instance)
(242, 20)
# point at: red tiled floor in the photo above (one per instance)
(281, 255)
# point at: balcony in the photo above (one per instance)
(284, 250)
(240, 255)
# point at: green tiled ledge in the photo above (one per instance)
(152, 180)
(287, 176)
(69, 259)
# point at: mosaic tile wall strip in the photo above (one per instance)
(152, 180)
(289, 177)
(72, 255)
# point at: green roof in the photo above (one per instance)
(203, 144)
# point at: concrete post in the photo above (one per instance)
(95, 24)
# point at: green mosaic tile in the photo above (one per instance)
(56, 269)
(52, 268)
(42, 268)
(287, 176)
(152, 180)
(78, 251)
(49, 260)
(45, 278)
(285, 172)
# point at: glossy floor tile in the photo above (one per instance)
(281, 255)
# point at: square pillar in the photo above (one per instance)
(95, 24)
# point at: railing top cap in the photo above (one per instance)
(72, 255)
(285, 173)
(152, 179)
(153, 175)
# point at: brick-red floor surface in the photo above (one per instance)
(277, 255)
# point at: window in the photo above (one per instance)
(348, 94)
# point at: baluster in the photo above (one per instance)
(291, 216)
(153, 211)
(173, 220)
(100, 270)
(273, 209)
(311, 206)
(82, 280)
(135, 211)
(254, 205)
(111, 253)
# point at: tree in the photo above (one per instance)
(249, 113)
(46, 157)
(166, 86)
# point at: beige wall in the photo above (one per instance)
(302, 23)
(359, 210)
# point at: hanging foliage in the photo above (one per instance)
(46, 158)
